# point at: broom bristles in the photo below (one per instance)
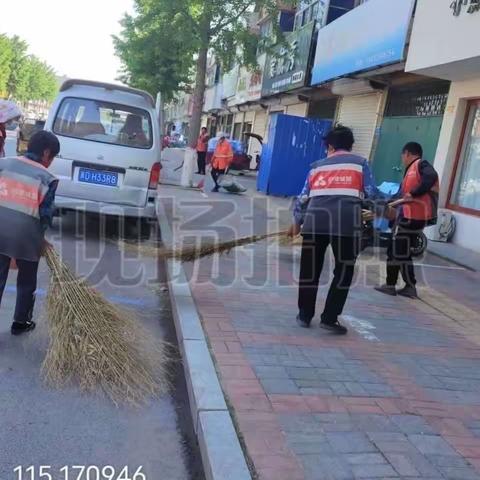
(97, 343)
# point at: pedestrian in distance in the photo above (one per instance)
(328, 212)
(419, 191)
(221, 159)
(27, 194)
(202, 146)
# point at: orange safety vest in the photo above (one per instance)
(223, 155)
(338, 178)
(23, 186)
(421, 208)
(202, 143)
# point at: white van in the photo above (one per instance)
(109, 161)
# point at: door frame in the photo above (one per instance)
(458, 159)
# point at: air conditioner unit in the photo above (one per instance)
(445, 227)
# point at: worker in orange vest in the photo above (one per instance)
(27, 194)
(221, 160)
(419, 190)
(202, 147)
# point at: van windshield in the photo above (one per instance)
(105, 122)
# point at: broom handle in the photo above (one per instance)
(256, 238)
(224, 246)
(398, 202)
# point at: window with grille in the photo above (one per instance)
(419, 101)
(324, 109)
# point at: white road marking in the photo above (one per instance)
(363, 327)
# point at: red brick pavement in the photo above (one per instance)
(408, 370)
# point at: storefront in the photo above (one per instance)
(345, 52)
(242, 90)
(414, 113)
(454, 56)
(286, 67)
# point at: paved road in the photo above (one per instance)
(39, 426)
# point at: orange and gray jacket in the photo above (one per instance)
(331, 200)
(24, 186)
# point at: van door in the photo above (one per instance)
(107, 151)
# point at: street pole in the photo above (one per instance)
(159, 107)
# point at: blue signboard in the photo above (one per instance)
(369, 36)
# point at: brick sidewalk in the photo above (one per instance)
(399, 397)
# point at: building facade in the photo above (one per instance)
(393, 71)
(443, 46)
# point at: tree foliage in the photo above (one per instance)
(152, 57)
(6, 56)
(164, 45)
(17, 84)
(24, 77)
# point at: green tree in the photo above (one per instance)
(6, 56)
(150, 61)
(166, 41)
(42, 83)
(17, 84)
(24, 77)
(50, 89)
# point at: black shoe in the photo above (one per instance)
(21, 327)
(337, 328)
(387, 290)
(215, 189)
(303, 323)
(409, 291)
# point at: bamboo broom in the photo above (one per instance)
(190, 253)
(98, 344)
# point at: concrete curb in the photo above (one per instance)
(455, 254)
(222, 455)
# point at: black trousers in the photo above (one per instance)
(201, 162)
(26, 286)
(399, 257)
(345, 251)
(215, 174)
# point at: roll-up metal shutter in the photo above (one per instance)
(260, 123)
(249, 116)
(259, 127)
(298, 109)
(238, 117)
(360, 113)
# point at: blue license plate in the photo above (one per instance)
(109, 179)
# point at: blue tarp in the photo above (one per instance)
(389, 189)
(294, 143)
